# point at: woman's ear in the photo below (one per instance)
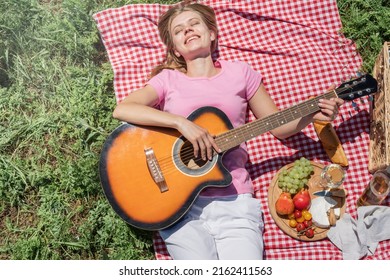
(176, 53)
(212, 36)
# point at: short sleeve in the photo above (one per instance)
(158, 82)
(253, 79)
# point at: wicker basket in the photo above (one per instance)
(380, 114)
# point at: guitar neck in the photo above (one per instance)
(236, 136)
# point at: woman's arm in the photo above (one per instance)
(262, 105)
(137, 108)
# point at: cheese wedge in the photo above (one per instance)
(319, 211)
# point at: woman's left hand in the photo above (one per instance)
(329, 109)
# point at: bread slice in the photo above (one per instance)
(331, 142)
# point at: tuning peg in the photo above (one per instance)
(370, 98)
(359, 74)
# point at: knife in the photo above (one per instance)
(330, 193)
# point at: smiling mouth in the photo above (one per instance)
(191, 39)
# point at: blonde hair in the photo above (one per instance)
(206, 13)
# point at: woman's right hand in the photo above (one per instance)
(202, 141)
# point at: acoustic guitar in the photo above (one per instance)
(151, 177)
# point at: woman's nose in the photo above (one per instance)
(188, 29)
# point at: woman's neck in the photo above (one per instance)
(201, 67)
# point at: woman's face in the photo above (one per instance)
(190, 35)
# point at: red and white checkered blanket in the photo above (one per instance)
(298, 48)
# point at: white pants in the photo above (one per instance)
(228, 228)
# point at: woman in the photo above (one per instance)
(223, 223)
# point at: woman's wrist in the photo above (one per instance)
(178, 122)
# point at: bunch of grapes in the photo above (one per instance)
(295, 178)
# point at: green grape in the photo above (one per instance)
(295, 178)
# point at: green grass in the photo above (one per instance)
(56, 102)
(367, 23)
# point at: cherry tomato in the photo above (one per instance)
(292, 223)
(300, 227)
(291, 216)
(300, 219)
(304, 211)
(308, 223)
(307, 216)
(309, 233)
(297, 213)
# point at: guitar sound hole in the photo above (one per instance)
(187, 157)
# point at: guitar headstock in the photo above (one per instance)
(356, 88)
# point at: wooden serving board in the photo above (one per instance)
(282, 221)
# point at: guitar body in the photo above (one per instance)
(128, 182)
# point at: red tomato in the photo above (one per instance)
(297, 214)
(308, 223)
(300, 227)
(309, 233)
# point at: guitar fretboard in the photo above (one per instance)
(236, 136)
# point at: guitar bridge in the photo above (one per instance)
(155, 170)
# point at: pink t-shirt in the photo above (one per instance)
(228, 91)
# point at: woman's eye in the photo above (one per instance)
(177, 31)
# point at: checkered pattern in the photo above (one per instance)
(298, 48)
